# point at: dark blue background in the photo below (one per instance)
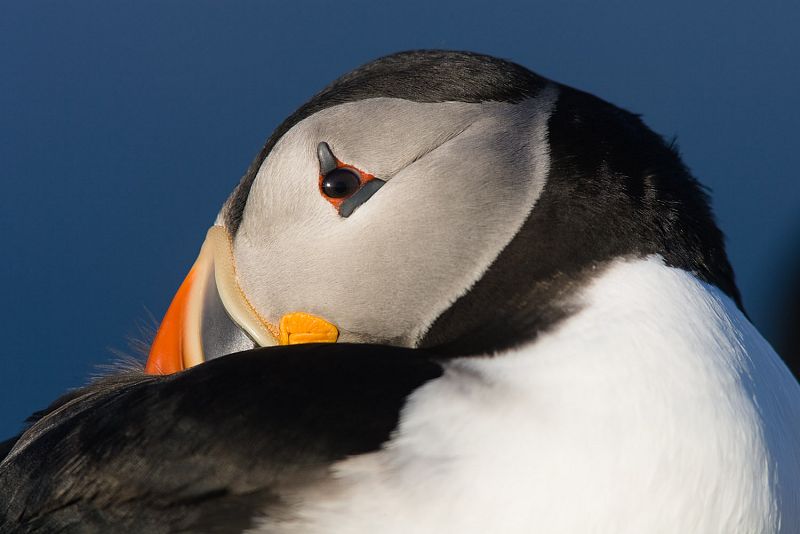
(123, 126)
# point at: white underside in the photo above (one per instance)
(656, 409)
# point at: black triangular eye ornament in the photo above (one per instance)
(343, 185)
(327, 161)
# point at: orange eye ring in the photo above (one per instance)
(336, 202)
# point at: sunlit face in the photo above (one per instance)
(364, 223)
(459, 181)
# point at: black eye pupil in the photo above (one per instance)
(340, 183)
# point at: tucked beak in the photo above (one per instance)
(210, 316)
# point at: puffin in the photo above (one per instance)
(448, 294)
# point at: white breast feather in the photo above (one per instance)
(656, 409)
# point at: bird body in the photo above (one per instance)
(531, 325)
(630, 417)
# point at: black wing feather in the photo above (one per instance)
(206, 449)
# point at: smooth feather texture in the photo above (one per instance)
(461, 179)
(657, 408)
(204, 450)
(607, 394)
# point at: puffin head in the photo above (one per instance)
(445, 200)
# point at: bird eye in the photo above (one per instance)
(340, 183)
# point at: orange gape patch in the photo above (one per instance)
(166, 353)
(336, 202)
(299, 327)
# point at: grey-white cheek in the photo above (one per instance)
(385, 273)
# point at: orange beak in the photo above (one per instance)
(210, 316)
(167, 352)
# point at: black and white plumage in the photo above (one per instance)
(155, 459)
(576, 358)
